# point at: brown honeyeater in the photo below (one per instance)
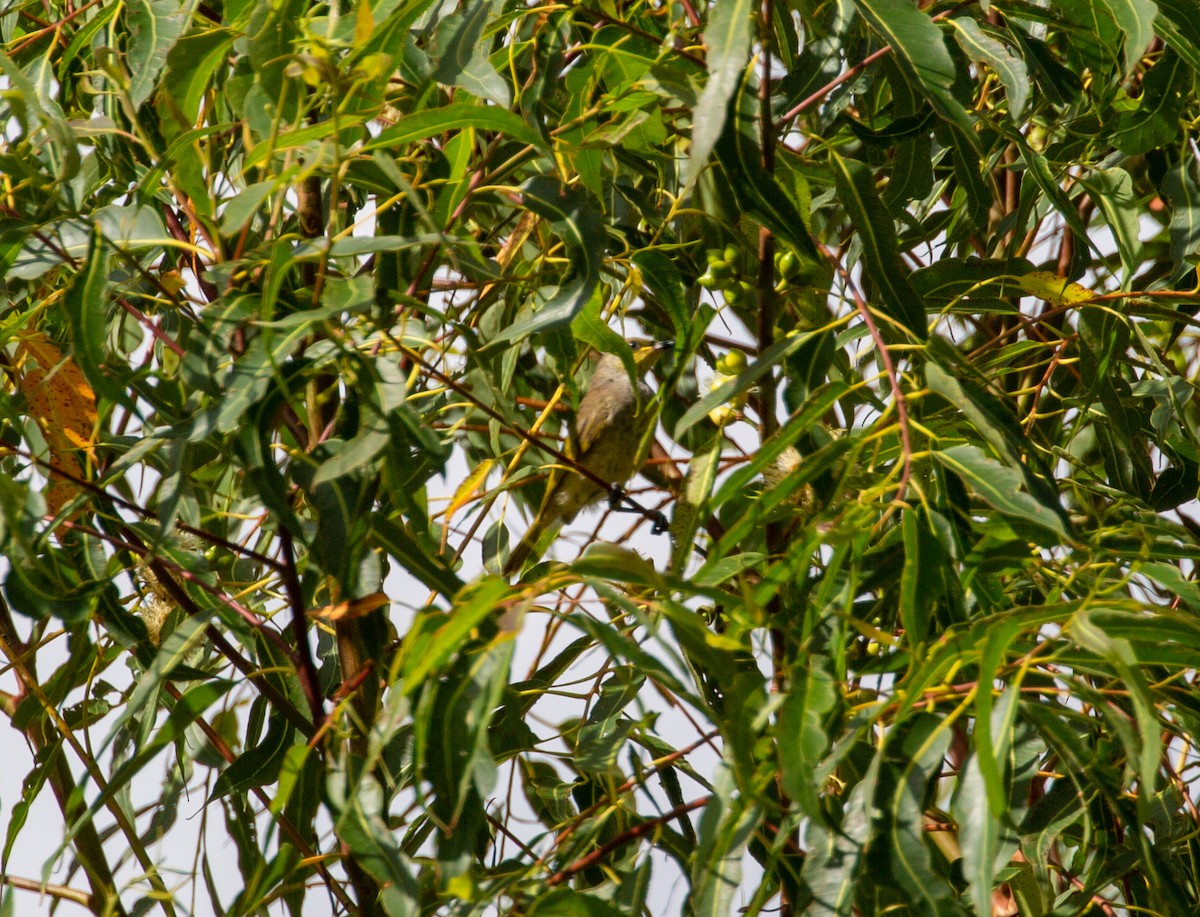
(609, 427)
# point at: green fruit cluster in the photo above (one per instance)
(723, 273)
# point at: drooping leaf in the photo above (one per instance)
(1000, 487)
(985, 46)
(154, 27)
(727, 42)
(461, 54)
(881, 255)
(919, 47)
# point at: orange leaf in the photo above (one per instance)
(64, 407)
(348, 611)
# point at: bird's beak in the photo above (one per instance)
(647, 355)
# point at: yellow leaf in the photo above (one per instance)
(470, 487)
(364, 22)
(172, 281)
(63, 406)
(1054, 289)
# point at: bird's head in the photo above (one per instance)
(646, 355)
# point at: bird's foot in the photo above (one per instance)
(616, 497)
(661, 523)
(616, 502)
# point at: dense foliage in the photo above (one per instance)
(293, 293)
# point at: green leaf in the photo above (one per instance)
(962, 283)
(1039, 170)
(602, 737)
(836, 852)
(726, 825)
(389, 395)
(1136, 19)
(574, 216)
(1146, 750)
(727, 43)
(921, 52)
(184, 712)
(131, 227)
(984, 45)
(993, 419)
(435, 638)
(416, 558)
(563, 902)
(918, 582)
(192, 63)
(772, 356)
(818, 404)
(345, 133)
(86, 305)
(258, 766)
(1060, 84)
(1155, 120)
(994, 724)
(880, 252)
(1181, 190)
(153, 28)
(758, 192)
(666, 285)
(450, 746)
(914, 762)
(362, 828)
(1177, 25)
(686, 518)
(460, 52)
(1113, 192)
(984, 827)
(803, 736)
(999, 486)
(431, 122)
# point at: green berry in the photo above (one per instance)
(720, 269)
(788, 265)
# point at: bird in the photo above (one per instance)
(609, 426)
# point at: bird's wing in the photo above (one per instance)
(587, 430)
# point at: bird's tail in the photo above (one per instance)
(520, 554)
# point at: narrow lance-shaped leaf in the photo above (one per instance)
(1136, 19)
(999, 486)
(757, 191)
(915, 761)
(919, 47)
(154, 27)
(726, 825)
(984, 832)
(727, 42)
(461, 54)
(87, 309)
(985, 47)
(880, 251)
(1113, 192)
(573, 215)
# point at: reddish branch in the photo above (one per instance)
(624, 838)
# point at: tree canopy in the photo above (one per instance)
(297, 299)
